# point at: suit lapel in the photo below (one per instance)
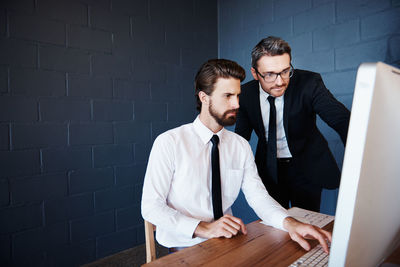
(288, 97)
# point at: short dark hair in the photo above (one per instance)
(209, 73)
(270, 46)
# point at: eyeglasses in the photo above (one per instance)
(270, 77)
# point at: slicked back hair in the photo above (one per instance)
(270, 46)
(209, 73)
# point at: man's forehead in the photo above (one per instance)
(273, 63)
(227, 85)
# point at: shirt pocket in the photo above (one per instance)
(231, 185)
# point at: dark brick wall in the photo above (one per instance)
(332, 37)
(85, 87)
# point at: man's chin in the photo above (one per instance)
(229, 121)
(277, 92)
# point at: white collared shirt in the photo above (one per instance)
(282, 148)
(177, 186)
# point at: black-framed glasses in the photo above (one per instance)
(270, 77)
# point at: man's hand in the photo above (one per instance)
(298, 231)
(226, 226)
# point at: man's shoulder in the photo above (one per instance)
(174, 134)
(233, 137)
(250, 88)
(302, 75)
(251, 85)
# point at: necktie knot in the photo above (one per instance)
(271, 100)
(215, 140)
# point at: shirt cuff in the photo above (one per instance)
(187, 226)
(277, 220)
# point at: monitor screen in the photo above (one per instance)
(367, 221)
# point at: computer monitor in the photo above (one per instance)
(367, 220)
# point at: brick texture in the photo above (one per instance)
(112, 155)
(90, 180)
(91, 227)
(31, 82)
(37, 28)
(350, 57)
(84, 88)
(5, 249)
(67, 208)
(38, 188)
(132, 132)
(31, 242)
(84, 85)
(4, 137)
(18, 109)
(3, 21)
(305, 22)
(52, 109)
(66, 159)
(85, 38)
(3, 79)
(90, 133)
(18, 53)
(64, 59)
(40, 135)
(64, 10)
(116, 242)
(112, 111)
(332, 37)
(128, 216)
(371, 29)
(129, 175)
(4, 193)
(20, 218)
(114, 198)
(16, 163)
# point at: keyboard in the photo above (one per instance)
(315, 257)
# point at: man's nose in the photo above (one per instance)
(235, 103)
(279, 80)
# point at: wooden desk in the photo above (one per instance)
(258, 248)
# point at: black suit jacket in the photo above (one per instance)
(305, 97)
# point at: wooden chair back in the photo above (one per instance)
(149, 229)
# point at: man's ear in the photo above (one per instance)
(254, 73)
(203, 98)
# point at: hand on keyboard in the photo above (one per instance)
(298, 231)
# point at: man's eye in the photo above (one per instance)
(270, 74)
(285, 71)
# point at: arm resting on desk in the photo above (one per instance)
(226, 226)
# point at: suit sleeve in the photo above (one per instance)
(331, 111)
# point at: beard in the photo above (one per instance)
(223, 119)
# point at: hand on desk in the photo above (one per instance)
(298, 231)
(226, 226)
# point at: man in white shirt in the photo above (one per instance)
(177, 191)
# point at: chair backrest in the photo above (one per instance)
(149, 229)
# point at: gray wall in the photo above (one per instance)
(85, 87)
(331, 37)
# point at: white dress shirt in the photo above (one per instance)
(177, 185)
(282, 148)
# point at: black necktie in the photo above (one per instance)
(216, 179)
(271, 152)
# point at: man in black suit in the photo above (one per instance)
(297, 163)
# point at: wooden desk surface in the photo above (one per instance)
(258, 248)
